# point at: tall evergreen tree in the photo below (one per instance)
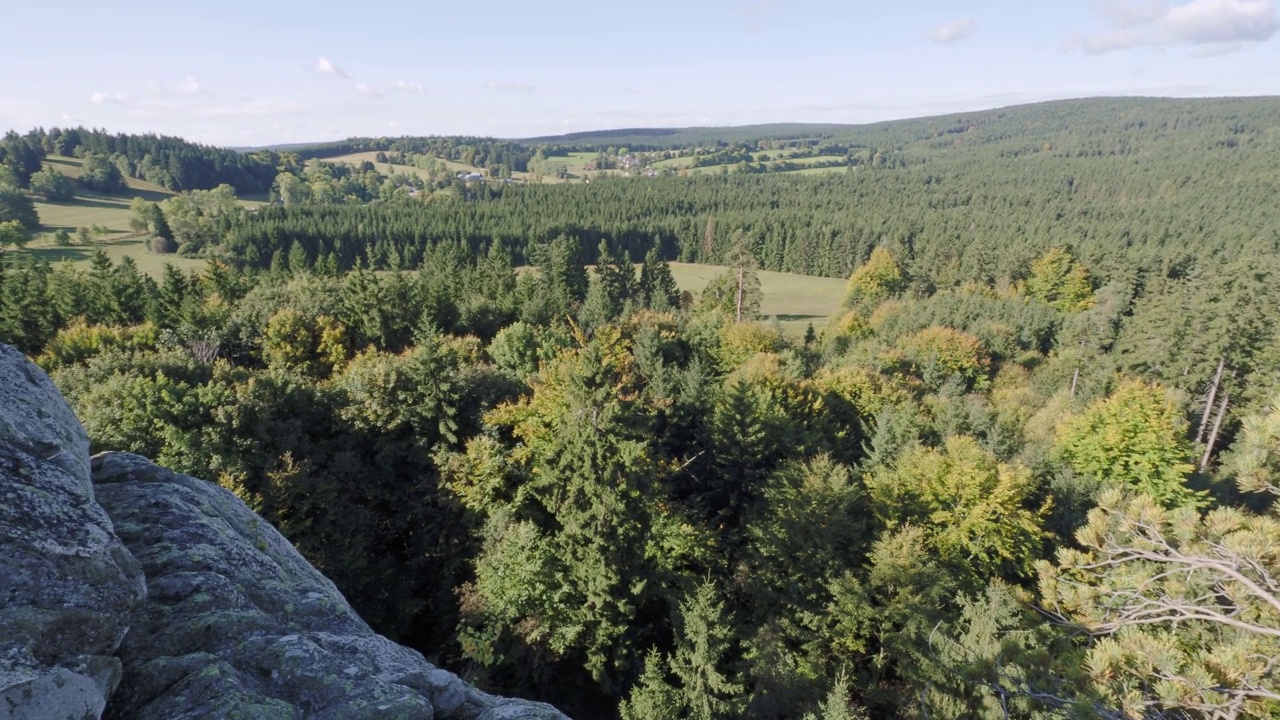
(166, 309)
(565, 273)
(130, 290)
(611, 289)
(657, 287)
(27, 319)
(703, 657)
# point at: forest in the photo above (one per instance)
(1029, 470)
(170, 162)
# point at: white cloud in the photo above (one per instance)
(1131, 13)
(117, 98)
(325, 66)
(1221, 25)
(953, 31)
(1221, 21)
(1216, 50)
(509, 87)
(189, 86)
(367, 91)
(408, 86)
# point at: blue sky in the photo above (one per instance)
(235, 72)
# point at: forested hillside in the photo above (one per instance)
(170, 162)
(1060, 121)
(1028, 470)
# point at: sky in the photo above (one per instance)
(249, 73)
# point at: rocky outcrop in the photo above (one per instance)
(67, 583)
(238, 623)
(230, 620)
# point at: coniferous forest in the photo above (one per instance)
(1029, 470)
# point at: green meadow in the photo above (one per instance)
(793, 300)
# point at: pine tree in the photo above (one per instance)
(746, 284)
(102, 308)
(27, 320)
(657, 287)
(565, 274)
(708, 688)
(588, 462)
(838, 705)
(130, 290)
(652, 698)
(611, 288)
(364, 309)
(299, 263)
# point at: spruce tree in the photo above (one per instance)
(611, 288)
(702, 656)
(652, 698)
(166, 307)
(299, 263)
(565, 274)
(657, 288)
(27, 319)
(101, 308)
(130, 290)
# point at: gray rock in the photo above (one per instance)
(238, 624)
(66, 581)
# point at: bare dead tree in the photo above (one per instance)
(1208, 401)
(1217, 427)
(204, 350)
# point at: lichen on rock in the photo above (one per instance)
(67, 583)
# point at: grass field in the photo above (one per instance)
(793, 300)
(148, 262)
(93, 208)
(575, 163)
(386, 169)
(820, 171)
(684, 163)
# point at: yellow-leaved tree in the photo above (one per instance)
(1135, 438)
(874, 281)
(979, 513)
(1058, 280)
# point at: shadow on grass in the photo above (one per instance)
(148, 195)
(784, 318)
(123, 199)
(54, 255)
(96, 201)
